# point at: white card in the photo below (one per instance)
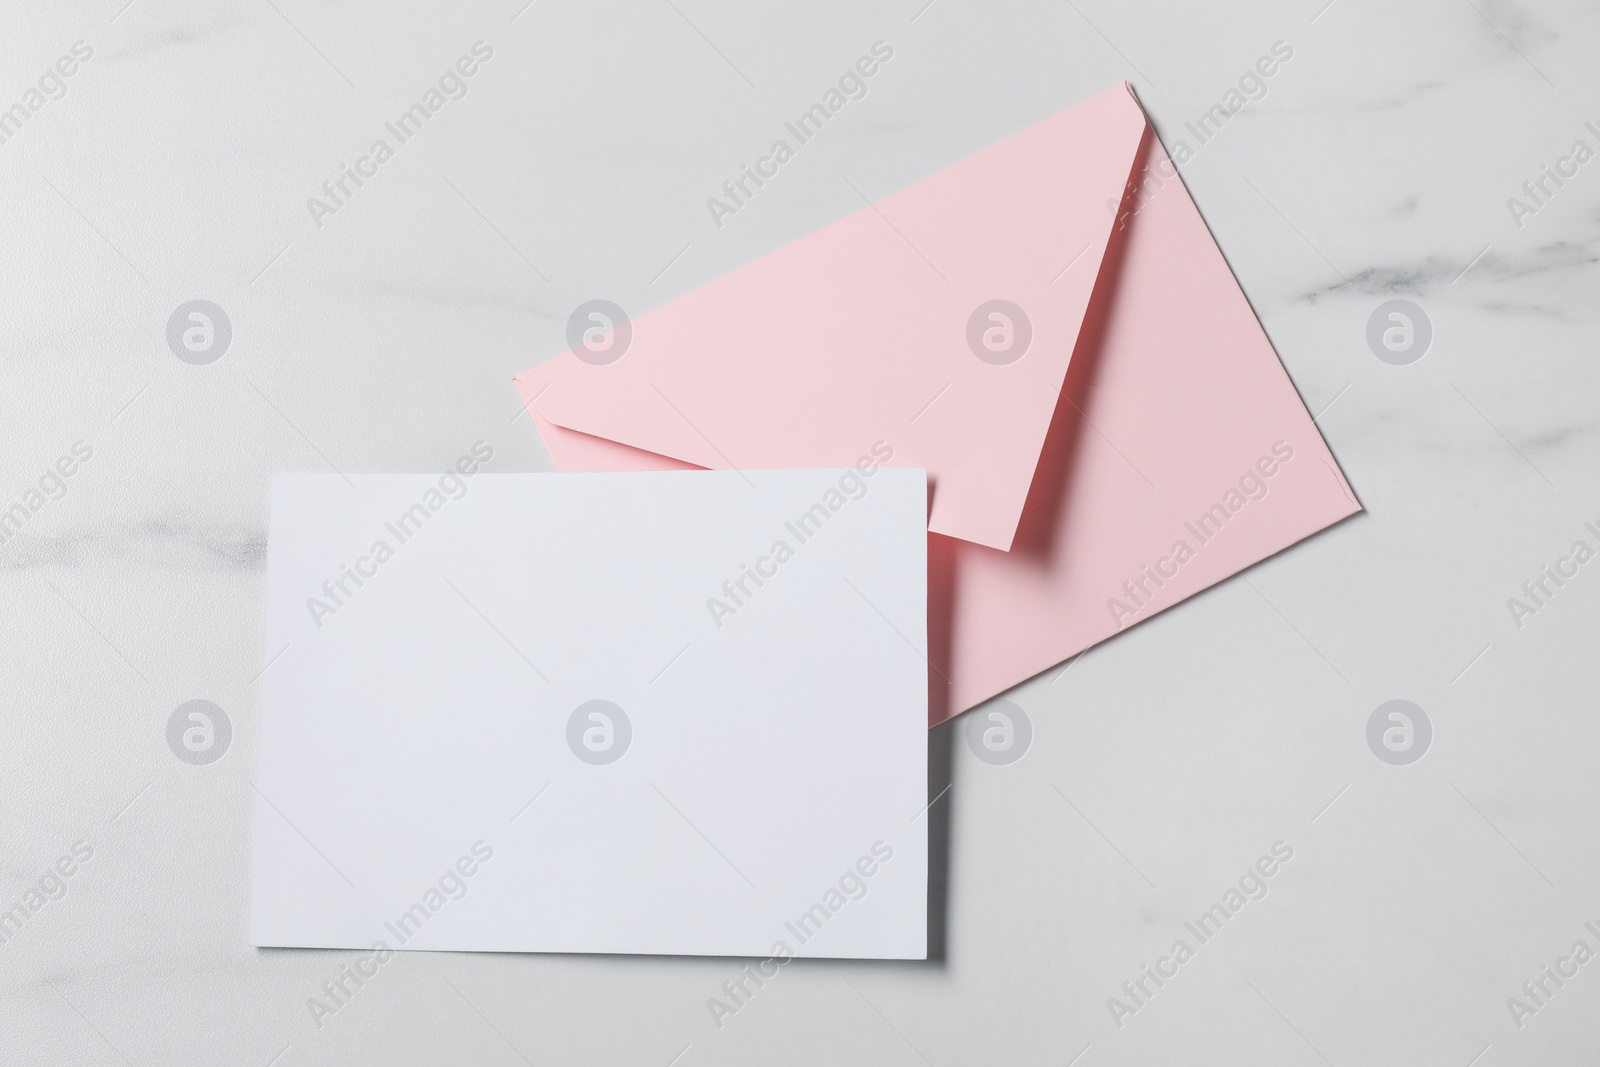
(680, 712)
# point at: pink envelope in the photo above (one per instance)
(1176, 454)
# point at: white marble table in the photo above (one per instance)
(380, 332)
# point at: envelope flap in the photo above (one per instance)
(930, 328)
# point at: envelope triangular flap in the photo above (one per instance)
(933, 326)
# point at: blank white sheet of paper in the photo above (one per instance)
(678, 712)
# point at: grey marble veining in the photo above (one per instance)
(152, 544)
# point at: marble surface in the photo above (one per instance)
(1377, 164)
